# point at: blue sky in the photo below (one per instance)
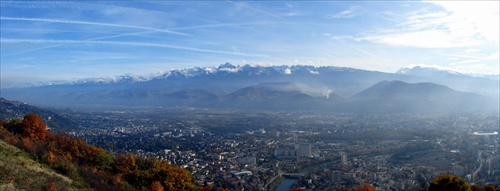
(67, 40)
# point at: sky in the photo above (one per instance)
(43, 41)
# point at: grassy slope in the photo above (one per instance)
(19, 172)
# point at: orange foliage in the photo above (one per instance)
(156, 186)
(50, 157)
(33, 127)
(365, 187)
(127, 166)
(179, 179)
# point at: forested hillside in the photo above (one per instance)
(79, 165)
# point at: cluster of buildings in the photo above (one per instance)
(347, 151)
(296, 151)
(377, 171)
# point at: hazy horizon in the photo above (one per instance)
(66, 40)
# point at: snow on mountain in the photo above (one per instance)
(434, 72)
(256, 70)
(130, 78)
(313, 72)
(227, 68)
(426, 72)
(126, 78)
(322, 86)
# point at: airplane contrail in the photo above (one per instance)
(222, 25)
(91, 23)
(10, 40)
(61, 44)
(254, 9)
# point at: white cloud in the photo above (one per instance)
(475, 69)
(472, 50)
(388, 13)
(433, 38)
(464, 62)
(492, 56)
(480, 16)
(294, 14)
(458, 24)
(349, 13)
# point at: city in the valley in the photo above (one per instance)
(261, 150)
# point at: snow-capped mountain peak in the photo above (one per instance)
(424, 71)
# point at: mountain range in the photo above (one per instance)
(327, 88)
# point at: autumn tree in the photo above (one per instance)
(156, 186)
(446, 182)
(33, 127)
(364, 187)
(126, 165)
(179, 179)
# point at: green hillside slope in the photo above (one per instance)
(19, 172)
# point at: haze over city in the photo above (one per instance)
(67, 40)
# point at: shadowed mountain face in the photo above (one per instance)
(278, 96)
(488, 85)
(398, 96)
(15, 109)
(277, 88)
(398, 90)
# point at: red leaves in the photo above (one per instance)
(34, 127)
